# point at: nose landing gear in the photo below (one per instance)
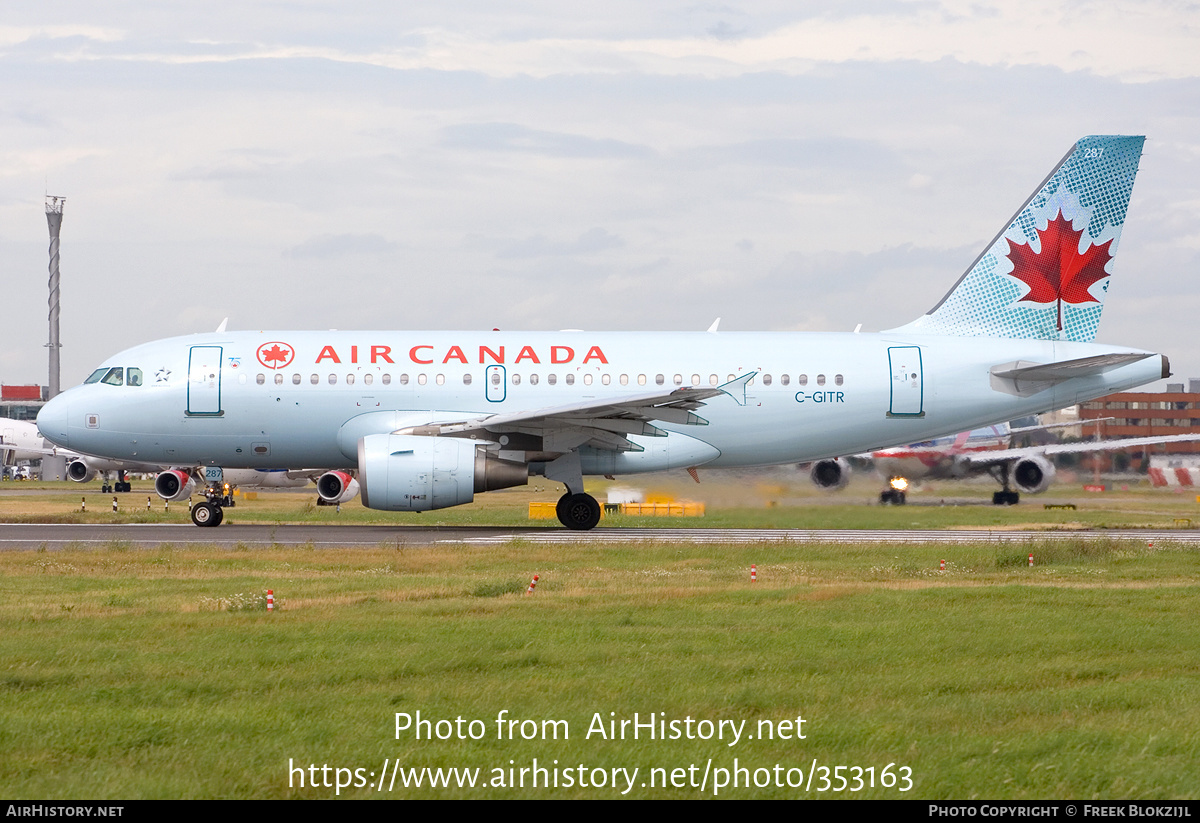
(212, 511)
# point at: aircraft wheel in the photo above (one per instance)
(1005, 498)
(578, 511)
(893, 497)
(206, 514)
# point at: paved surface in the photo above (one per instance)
(17, 536)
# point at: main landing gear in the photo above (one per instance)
(212, 511)
(1008, 497)
(578, 511)
(121, 486)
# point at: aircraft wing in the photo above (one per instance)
(604, 424)
(981, 459)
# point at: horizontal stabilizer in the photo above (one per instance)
(1024, 379)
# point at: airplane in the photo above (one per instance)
(20, 440)
(967, 454)
(425, 420)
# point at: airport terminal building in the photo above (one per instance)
(1148, 414)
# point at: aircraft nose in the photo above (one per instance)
(52, 421)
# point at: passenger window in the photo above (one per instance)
(695, 380)
(278, 379)
(641, 379)
(387, 379)
(679, 380)
(659, 379)
(837, 380)
(533, 379)
(732, 377)
(784, 379)
(466, 379)
(295, 380)
(802, 380)
(570, 380)
(314, 379)
(133, 377)
(115, 377)
(261, 379)
(349, 380)
(420, 380)
(368, 379)
(496, 378)
(624, 380)
(333, 379)
(441, 379)
(766, 379)
(820, 380)
(551, 379)
(587, 380)
(713, 380)
(516, 379)
(605, 379)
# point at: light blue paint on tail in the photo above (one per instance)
(1046, 275)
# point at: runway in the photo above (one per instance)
(23, 536)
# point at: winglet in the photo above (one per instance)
(713, 328)
(221, 328)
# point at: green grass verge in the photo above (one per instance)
(158, 673)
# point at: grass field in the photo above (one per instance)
(158, 673)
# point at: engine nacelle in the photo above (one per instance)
(830, 474)
(402, 472)
(1032, 474)
(174, 484)
(336, 487)
(80, 471)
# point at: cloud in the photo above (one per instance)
(330, 246)
(512, 137)
(590, 242)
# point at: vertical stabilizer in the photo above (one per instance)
(1046, 275)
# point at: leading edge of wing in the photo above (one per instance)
(1005, 455)
(673, 406)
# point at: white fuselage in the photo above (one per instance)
(304, 398)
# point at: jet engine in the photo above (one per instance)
(401, 472)
(80, 471)
(335, 487)
(1032, 474)
(830, 474)
(174, 484)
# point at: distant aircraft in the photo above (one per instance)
(426, 420)
(20, 440)
(968, 454)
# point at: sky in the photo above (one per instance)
(523, 165)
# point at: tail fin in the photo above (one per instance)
(1046, 275)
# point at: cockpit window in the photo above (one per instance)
(96, 375)
(115, 376)
(133, 377)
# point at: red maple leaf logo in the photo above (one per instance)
(275, 355)
(1059, 272)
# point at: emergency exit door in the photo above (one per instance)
(908, 389)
